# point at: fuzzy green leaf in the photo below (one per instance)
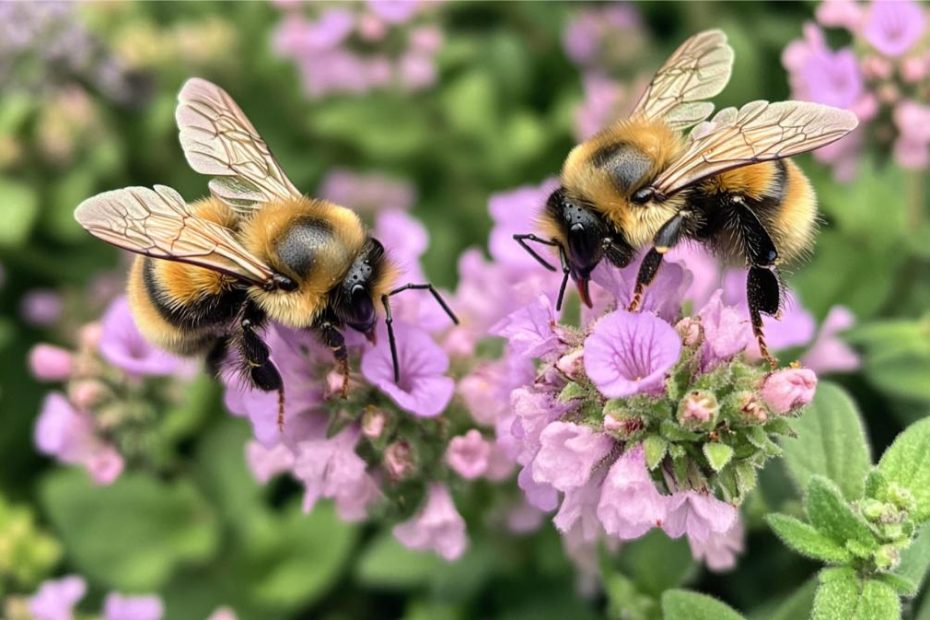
(830, 442)
(655, 449)
(843, 595)
(684, 604)
(832, 515)
(907, 463)
(915, 560)
(806, 540)
(717, 454)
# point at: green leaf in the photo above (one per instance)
(638, 560)
(19, 206)
(655, 449)
(907, 463)
(133, 534)
(915, 560)
(832, 515)
(386, 563)
(806, 540)
(843, 595)
(798, 605)
(830, 442)
(678, 604)
(718, 455)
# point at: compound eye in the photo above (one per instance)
(643, 195)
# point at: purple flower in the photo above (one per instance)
(330, 468)
(119, 607)
(663, 297)
(394, 11)
(629, 353)
(603, 104)
(893, 27)
(515, 211)
(41, 307)
(568, 453)
(579, 508)
(407, 238)
(50, 363)
(437, 526)
(367, 192)
(266, 463)
(630, 505)
(416, 70)
(468, 455)
(840, 13)
(55, 600)
(719, 551)
(726, 332)
(540, 495)
(829, 353)
(698, 514)
(122, 345)
(69, 435)
(533, 410)
(531, 331)
(423, 388)
(524, 518)
(486, 389)
(788, 389)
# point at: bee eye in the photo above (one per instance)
(643, 195)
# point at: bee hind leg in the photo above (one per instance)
(763, 295)
(256, 358)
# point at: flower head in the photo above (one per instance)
(437, 526)
(468, 455)
(119, 607)
(630, 505)
(568, 453)
(531, 331)
(893, 27)
(699, 515)
(55, 600)
(788, 389)
(628, 353)
(122, 345)
(50, 363)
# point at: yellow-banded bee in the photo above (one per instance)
(728, 184)
(211, 273)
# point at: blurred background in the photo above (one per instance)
(431, 107)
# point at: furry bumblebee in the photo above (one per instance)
(642, 183)
(211, 273)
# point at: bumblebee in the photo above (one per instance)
(728, 184)
(210, 274)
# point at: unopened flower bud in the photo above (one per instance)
(86, 393)
(872, 509)
(876, 67)
(397, 460)
(788, 389)
(335, 381)
(690, 331)
(622, 426)
(886, 557)
(751, 408)
(901, 497)
(89, 336)
(373, 422)
(50, 363)
(468, 455)
(572, 364)
(913, 69)
(698, 409)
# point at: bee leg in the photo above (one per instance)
(665, 239)
(216, 356)
(333, 338)
(563, 259)
(762, 293)
(257, 357)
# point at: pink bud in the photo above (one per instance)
(876, 68)
(752, 409)
(913, 69)
(572, 364)
(698, 409)
(50, 363)
(889, 93)
(468, 455)
(621, 426)
(334, 381)
(371, 27)
(104, 465)
(397, 459)
(788, 389)
(373, 422)
(690, 331)
(86, 393)
(89, 336)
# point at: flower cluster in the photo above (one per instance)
(883, 76)
(56, 600)
(106, 409)
(341, 48)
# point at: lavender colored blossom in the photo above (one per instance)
(532, 331)
(55, 600)
(469, 455)
(630, 505)
(50, 363)
(662, 298)
(367, 192)
(893, 27)
(266, 463)
(122, 345)
(568, 453)
(394, 11)
(829, 353)
(119, 607)
(407, 239)
(423, 388)
(727, 333)
(629, 353)
(604, 102)
(719, 551)
(578, 511)
(437, 526)
(699, 515)
(41, 307)
(788, 389)
(513, 212)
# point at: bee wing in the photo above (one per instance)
(218, 140)
(699, 69)
(759, 131)
(158, 223)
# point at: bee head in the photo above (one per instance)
(582, 233)
(355, 296)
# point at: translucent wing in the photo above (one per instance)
(158, 223)
(759, 131)
(698, 70)
(218, 140)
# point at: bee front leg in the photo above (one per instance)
(665, 239)
(333, 338)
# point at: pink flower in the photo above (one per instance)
(41, 307)
(367, 192)
(540, 495)
(629, 353)
(122, 345)
(788, 389)
(50, 363)
(423, 388)
(719, 551)
(840, 13)
(726, 332)
(829, 353)
(330, 468)
(531, 331)
(663, 297)
(698, 514)
(468, 455)
(437, 526)
(119, 607)
(397, 460)
(266, 463)
(394, 11)
(603, 104)
(515, 211)
(524, 518)
(568, 453)
(407, 238)
(55, 600)
(893, 27)
(417, 71)
(630, 505)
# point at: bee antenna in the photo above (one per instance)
(389, 319)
